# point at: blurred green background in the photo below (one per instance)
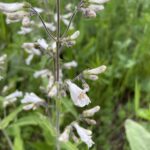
(118, 38)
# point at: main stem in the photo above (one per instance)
(57, 73)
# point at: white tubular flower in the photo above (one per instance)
(54, 47)
(71, 64)
(98, 1)
(32, 101)
(27, 46)
(26, 22)
(30, 48)
(88, 13)
(96, 71)
(64, 137)
(43, 44)
(96, 8)
(12, 98)
(53, 91)
(39, 10)
(78, 95)
(19, 15)
(66, 22)
(65, 19)
(92, 8)
(8, 21)
(50, 26)
(75, 35)
(69, 7)
(50, 81)
(2, 59)
(85, 135)
(41, 73)
(24, 30)
(67, 16)
(12, 7)
(91, 112)
(29, 107)
(1, 78)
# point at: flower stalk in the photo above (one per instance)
(57, 67)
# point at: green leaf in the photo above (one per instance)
(6, 121)
(18, 142)
(144, 113)
(137, 135)
(36, 119)
(68, 107)
(137, 96)
(68, 146)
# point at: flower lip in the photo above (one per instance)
(84, 134)
(78, 95)
(32, 101)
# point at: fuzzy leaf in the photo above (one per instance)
(137, 135)
(5, 122)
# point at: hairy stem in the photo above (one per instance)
(57, 73)
(46, 29)
(71, 19)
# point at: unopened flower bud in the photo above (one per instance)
(91, 112)
(90, 121)
(95, 71)
(75, 35)
(71, 64)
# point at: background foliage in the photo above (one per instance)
(119, 38)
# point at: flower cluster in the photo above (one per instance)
(32, 101)
(84, 134)
(70, 41)
(35, 49)
(11, 98)
(22, 12)
(89, 8)
(19, 12)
